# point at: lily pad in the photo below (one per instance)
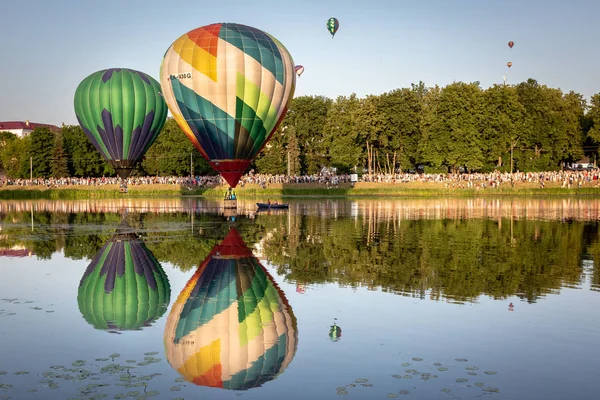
(404, 391)
(174, 388)
(417, 359)
(490, 372)
(461, 359)
(442, 369)
(472, 368)
(491, 390)
(462, 380)
(392, 395)
(361, 380)
(151, 353)
(405, 364)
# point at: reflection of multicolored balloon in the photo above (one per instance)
(228, 87)
(332, 26)
(121, 112)
(299, 70)
(231, 326)
(124, 287)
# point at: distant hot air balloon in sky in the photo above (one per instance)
(299, 70)
(509, 64)
(122, 112)
(124, 287)
(231, 327)
(511, 44)
(332, 26)
(228, 87)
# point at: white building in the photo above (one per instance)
(24, 128)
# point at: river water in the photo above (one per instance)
(364, 299)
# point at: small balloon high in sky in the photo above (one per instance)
(332, 26)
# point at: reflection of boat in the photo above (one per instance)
(271, 206)
(124, 287)
(231, 327)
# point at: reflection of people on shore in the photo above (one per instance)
(511, 307)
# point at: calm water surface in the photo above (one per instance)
(365, 299)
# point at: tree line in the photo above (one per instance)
(526, 127)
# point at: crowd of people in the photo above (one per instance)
(565, 178)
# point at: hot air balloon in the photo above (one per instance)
(122, 112)
(124, 287)
(231, 327)
(511, 44)
(335, 332)
(228, 87)
(299, 70)
(509, 64)
(332, 26)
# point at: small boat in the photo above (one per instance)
(271, 206)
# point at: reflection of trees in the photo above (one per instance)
(81, 235)
(460, 259)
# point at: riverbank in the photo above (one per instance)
(365, 189)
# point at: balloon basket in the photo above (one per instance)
(229, 204)
(123, 188)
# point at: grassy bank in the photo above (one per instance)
(412, 189)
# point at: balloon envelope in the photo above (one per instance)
(122, 112)
(509, 64)
(299, 70)
(228, 87)
(124, 287)
(332, 26)
(511, 44)
(231, 327)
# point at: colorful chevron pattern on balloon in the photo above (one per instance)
(231, 327)
(228, 86)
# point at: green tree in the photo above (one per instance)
(42, 147)
(170, 154)
(592, 118)
(456, 128)
(343, 142)
(308, 115)
(83, 158)
(501, 125)
(15, 157)
(59, 164)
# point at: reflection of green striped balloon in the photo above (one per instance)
(124, 287)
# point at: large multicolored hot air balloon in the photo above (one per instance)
(228, 86)
(332, 26)
(299, 70)
(231, 327)
(124, 287)
(122, 112)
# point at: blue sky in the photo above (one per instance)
(48, 47)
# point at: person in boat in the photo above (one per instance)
(269, 201)
(275, 202)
